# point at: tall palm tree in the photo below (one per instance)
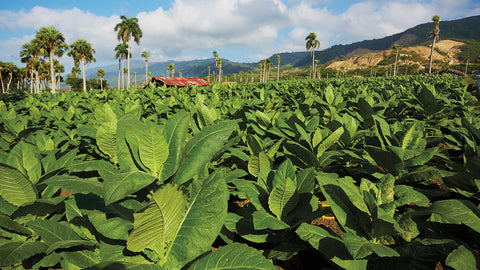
(127, 29)
(101, 74)
(172, 69)
(53, 42)
(168, 70)
(277, 57)
(76, 70)
(121, 53)
(209, 73)
(219, 64)
(396, 48)
(434, 35)
(312, 43)
(59, 69)
(145, 55)
(82, 52)
(28, 56)
(215, 54)
(260, 67)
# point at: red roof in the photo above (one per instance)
(177, 81)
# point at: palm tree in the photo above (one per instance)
(101, 74)
(260, 67)
(180, 74)
(172, 69)
(76, 70)
(28, 55)
(219, 64)
(434, 35)
(312, 43)
(396, 48)
(127, 29)
(168, 70)
(215, 54)
(82, 51)
(277, 57)
(53, 43)
(145, 55)
(59, 69)
(209, 73)
(121, 53)
(135, 74)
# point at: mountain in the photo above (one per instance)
(466, 29)
(462, 29)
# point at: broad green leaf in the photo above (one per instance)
(360, 247)
(233, 256)
(257, 195)
(329, 141)
(153, 149)
(263, 220)
(329, 95)
(124, 266)
(201, 149)
(202, 223)
(16, 252)
(15, 188)
(330, 246)
(76, 184)
(113, 228)
(127, 142)
(25, 157)
(9, 224)
(106, 138)
(155, 225)
(119, 186)
(305, 156)
(68, 244)
(52, 232)
(284, 170)
(386, 159)
(458, 212)
(306, 181)
(175, 133)
(408, 195)
(254, 144)
(262, 120)
(461, 258)
(283, 198)
(257, 163)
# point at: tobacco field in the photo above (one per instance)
(358, 173)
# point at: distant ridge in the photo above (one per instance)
(462, 30)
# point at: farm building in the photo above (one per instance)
(176, 81)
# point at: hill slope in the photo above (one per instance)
(460, 30)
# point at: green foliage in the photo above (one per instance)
(350, 173)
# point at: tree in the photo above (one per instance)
(29, 55)
(127, 29)
(168, 70)
(277, 57)
(53, 43)
(59, 69)
(215, 54)
(180, 74)
(219, 64)
(260, 67)
(396, 48)
(145, 55)
(312, 43)
(82, 52)
(76, 70)
(101, 74)
(209, 73)
(434, 34)
(171, 67)
(121, 53)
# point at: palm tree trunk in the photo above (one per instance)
(278, 71)
(313, 64)
(146, 70)
(128, 65)
(119, 74)
(395, 68)
(123, 75)
(431, 56)
(31, 81)
(1, 81)
(83, 75)
(52, 75)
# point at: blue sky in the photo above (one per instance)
(240, 30)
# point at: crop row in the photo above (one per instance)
(344, 173)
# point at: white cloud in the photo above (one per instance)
(193, 29)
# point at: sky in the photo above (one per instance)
(239, 30)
